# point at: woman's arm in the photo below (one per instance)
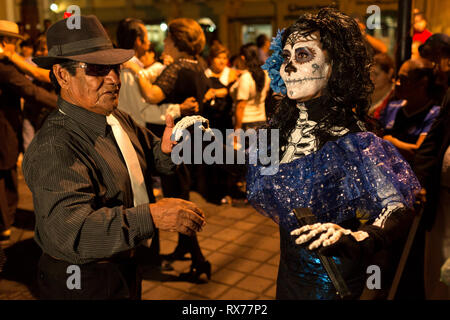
(215, 93)
(407, 149)
(151, 93)
(239, 113)
(37, 73)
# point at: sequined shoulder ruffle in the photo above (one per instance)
(355, 176)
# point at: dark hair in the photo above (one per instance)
(26, 43)
(70, 66)
(187, 36)
(215, 50)
(435, 91)
(384, 61)
(349, 87)
(261, 40)
(128, 31)
(253, 64)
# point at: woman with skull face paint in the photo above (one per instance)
(358, 187)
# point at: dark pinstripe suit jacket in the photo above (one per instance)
(81, 188)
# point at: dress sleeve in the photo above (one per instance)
(429, 119)
(168, 78)
(384, 179)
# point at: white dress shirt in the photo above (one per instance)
(132, 102)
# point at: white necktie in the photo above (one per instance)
(140, 195)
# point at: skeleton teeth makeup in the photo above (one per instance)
(305, 69)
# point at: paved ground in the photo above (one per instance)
(242, 246)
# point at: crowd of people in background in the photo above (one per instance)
(409, 108)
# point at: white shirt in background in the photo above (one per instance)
(132, 102)
(245, 89)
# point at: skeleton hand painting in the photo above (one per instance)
(329, 162)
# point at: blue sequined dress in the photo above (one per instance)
(357, 177)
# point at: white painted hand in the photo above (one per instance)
(330, 233)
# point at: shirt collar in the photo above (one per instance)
(92, 120)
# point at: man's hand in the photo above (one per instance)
(177, 215)
(209, 95)
(166, 143)
(167, 60)
(189, 106)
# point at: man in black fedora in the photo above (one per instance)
(14, 85)
(89, 169)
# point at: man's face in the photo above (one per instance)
(379, 78)
(305, 69)
(9, 44)
(219, 63)
(142, 45)
(409, 83)
(93, 87)
(27, 51)
(419, 23)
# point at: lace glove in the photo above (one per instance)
(188, 121)
(333, 240)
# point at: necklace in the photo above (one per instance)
(188, 60)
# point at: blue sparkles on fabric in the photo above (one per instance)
(356, 176)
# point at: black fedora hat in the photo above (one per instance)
(89, 43)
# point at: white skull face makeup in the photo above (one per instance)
(305, 69)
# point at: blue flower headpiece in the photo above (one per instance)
(273, 64)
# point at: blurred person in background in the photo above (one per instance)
(407, 120)
(250, 90)
(218, 110)
(382, 76)
(34, 113)
(406, 123)
(181, 80)
(218, 101)
(421, 33)
(26, 49)
(432, 167)
(14, 85)
(263, 44)
(132, 34)
(249, 94)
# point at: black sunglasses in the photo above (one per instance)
(99, 70)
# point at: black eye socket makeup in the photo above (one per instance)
(286, 56)
(304, 54)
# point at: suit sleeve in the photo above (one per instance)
(70, 222)
(25, 88)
